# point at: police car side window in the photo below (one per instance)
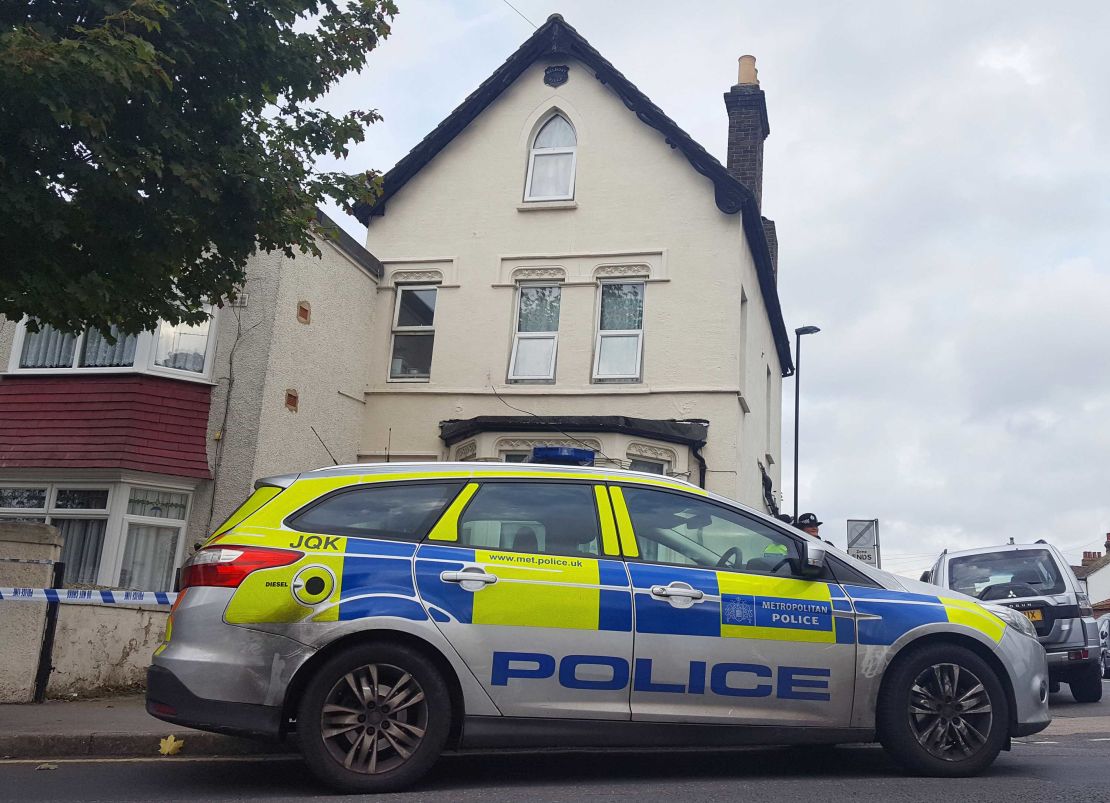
(402, 512)
(679, 530)
(536, 517)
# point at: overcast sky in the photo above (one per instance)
(940, 177)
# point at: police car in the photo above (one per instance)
(390, 612)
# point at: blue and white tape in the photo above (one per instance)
(87, 596)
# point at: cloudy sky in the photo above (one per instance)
(940, 176)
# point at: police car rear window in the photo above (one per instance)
(401, 512)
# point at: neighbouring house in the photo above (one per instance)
(138, 448)
(593, 278)
(1094, 575)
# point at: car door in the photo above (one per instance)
(524, 578)
(726, 631)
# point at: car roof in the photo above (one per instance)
(1001, 548)
(477, 468)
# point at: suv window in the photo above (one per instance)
(402, 512)
(545, 518)
(679, 530)
(1009, 574)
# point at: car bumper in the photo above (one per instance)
(168, 699)
(219, 677)
(1029, 677)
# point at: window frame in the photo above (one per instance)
(533, 151)
(494, 480)
(146, 351)
(288, 521)
(518, 335)
(600, 335)
(410, 330)
(799, 546)
(114, 513)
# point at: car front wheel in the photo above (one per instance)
(942, 711)
(374, 718)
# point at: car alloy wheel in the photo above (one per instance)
(950, 712)
(374, 718)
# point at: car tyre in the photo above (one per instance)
(374, 718)
(942, 711)
(1086, 687)
(1106, 665)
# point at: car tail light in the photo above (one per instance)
(1078, 655)
(228, 566)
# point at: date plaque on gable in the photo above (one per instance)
(556, 75)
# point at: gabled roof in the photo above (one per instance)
(556, 39)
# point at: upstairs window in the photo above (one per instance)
(413, 333)
(551, 162)
(182, 350)
(620, 332)
(537, 332)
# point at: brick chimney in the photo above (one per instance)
(1089, 558)
(747, 128)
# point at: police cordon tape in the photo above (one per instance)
(87, 596)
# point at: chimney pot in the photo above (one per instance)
(747, 74)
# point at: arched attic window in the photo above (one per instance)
(551, 162)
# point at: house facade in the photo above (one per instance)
(563, 265)
(136, 450)
(1094, 575)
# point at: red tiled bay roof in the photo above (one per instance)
(130, 421)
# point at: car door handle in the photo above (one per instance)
(473, 575)
(678, 591)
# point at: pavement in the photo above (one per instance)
(109, 726)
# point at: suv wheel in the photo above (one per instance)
(374, 718)
(1086, 687)
(1106, 664)
(942, 711)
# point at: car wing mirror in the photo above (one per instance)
(926, 576)
(813, 558)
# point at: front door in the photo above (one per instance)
(516, 576)
(726, 630)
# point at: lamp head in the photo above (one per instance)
(807, 330)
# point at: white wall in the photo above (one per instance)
(636, 201)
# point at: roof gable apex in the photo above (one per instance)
(557, 39)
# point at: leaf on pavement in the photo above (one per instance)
(170, 746)
(47, 767)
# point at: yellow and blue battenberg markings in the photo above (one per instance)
(565, 592)
(885, 616)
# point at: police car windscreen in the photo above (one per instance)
(1006, 575)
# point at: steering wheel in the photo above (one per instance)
(732, 555)
(1008, 591)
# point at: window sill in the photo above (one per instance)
(536, 206)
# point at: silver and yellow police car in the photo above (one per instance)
(389, 612)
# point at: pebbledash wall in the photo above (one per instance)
(641, 211)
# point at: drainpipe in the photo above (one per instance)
(695, 449)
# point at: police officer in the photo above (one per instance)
(807, 522)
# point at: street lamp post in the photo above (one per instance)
(804, 330)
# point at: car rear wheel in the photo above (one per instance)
(1106, 665)
(942, 711)
(1087, 686)
(374, 718)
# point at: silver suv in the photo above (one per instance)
(1036, 580)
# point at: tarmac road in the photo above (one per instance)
(1067, 762)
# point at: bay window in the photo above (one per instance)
(536, 340)
(181, 350)
(413, 333)
(115, 535)
(620, 332)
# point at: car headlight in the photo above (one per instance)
(1015, 619)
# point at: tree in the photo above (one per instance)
(150, 147)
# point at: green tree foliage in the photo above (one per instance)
(148, 148)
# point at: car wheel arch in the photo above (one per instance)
(300, 680)
(962, 640)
